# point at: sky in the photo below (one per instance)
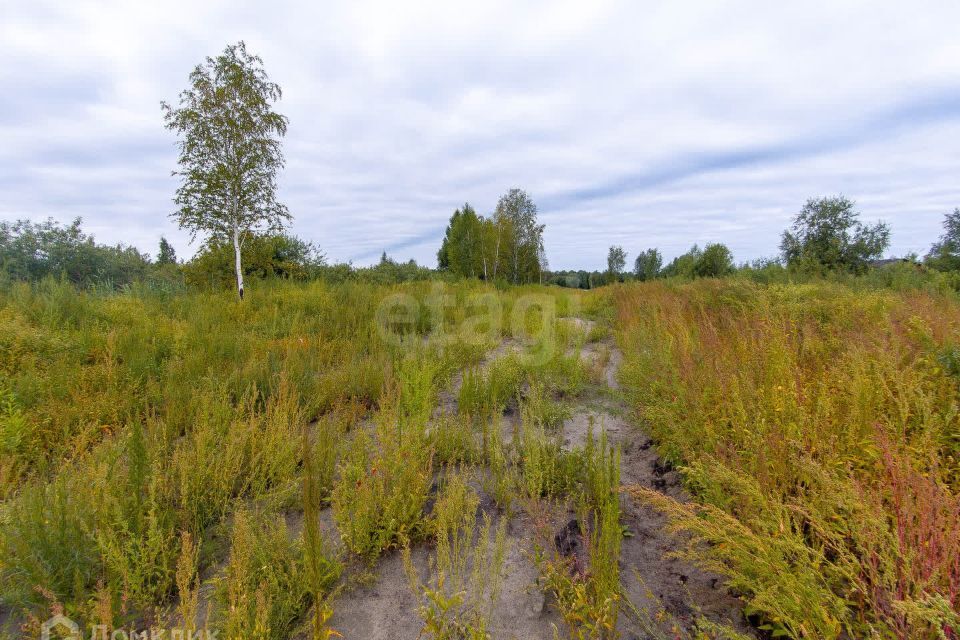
(641, 124)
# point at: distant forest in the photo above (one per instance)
(506, 247)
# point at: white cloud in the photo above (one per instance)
(643, 124)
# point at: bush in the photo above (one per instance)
(384, 485)
(264, 591)
(33, 251)
(264, 256)
(715, 261)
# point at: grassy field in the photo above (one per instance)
(818, 429)
(189, 460)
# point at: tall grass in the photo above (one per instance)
(130, 419)
(816, 426)
(457, 600)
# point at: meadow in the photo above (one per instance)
(184, 459)
(817, 427)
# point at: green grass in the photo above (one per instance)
(148, 438)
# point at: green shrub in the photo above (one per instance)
(384, 485)
(264, 589)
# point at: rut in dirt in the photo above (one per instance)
(669, 593)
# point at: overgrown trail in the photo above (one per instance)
(380, 604)
(667, 593)
(665, 596)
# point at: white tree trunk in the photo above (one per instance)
(239, 267)
(496, 255)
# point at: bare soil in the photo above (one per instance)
(654, 581)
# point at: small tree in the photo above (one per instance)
(827, 234)
(647, 265)
(279, 256)
(715, 261)
(682, 266)
(230, 151)
(167, 254)
(616, 262)
(945, 253)
(462, 251)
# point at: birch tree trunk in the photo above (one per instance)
(496, 255)
(239, 267)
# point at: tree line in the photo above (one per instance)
(826, 236)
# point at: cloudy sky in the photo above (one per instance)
(636, 123)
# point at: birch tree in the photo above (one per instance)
(517, 213)
(230, 151)
(616, 261)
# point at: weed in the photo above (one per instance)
(453, 439)
(13, 424)
(456, 603)
(263, 591)
(383, 487)
(188, 582)
(321, 569)
(503, 481)
(45, 543)
(780, 403)
(484, 393)
(547, 470)
(538, 408)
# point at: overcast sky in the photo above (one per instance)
(645, 124)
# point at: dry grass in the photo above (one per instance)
(818, 429)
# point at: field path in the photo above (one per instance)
(381, 606)
(655, 583)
